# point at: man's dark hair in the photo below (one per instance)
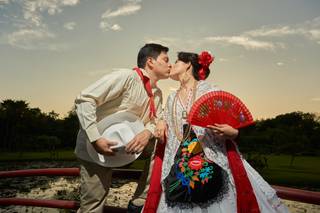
(150, 50)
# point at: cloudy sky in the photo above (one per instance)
(267, 52)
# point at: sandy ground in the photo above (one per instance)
(68, 188)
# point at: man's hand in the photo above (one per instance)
(103, 145)
(224, 130)
(137, 144)
(161, 130)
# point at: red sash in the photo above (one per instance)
(246, 199)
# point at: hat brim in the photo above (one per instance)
(120, 127)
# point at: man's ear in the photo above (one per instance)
(150, 62)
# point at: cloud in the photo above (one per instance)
(246, 42)
(315, 34)
(122, 11)
(28, 34)
(105, 26)
(192, 44)
(309, 30)
(312, 34)
(29, 28)
(3, 2)
(315, 99)
(130, 8)
(69, 25)
(256, 39)
(31, 39)
(32, 10)
(30, 13)
(116, 27)
(276, 32)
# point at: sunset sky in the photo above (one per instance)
(266, 52)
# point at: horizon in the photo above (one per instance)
(60, 116)
(266, 53)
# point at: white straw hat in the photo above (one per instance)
(120, 127)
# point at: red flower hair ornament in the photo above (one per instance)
(205, 59)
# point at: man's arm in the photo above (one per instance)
(106, 89)
(140, 141)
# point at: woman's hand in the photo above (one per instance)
(161, 130)
(224, 130)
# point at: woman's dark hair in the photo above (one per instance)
(150, 50)
(193, 58)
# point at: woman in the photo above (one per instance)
(231, 185)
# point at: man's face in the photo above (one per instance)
(162, 66)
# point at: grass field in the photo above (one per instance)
(304, 173)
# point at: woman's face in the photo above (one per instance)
(178, 69)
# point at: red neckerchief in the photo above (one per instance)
(155, 189)
(246, 199)
(147, 86)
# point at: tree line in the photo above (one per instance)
(23, 128)
(295, 133)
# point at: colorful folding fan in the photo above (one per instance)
(219, 107)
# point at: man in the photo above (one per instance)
(122, 90)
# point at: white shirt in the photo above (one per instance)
(121, 90)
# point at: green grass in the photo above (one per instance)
(18, 156)
(304, 173)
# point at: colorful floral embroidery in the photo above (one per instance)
(191, 168)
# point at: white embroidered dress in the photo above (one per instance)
(215, 150)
